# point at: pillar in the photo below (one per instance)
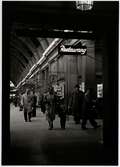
(90, 66)
(110, 75)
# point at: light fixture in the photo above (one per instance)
(84, 5)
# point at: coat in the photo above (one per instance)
(76, 102)
(87, 106)
(27, 101)
(34, 98)
(50, 106)
(61, 111)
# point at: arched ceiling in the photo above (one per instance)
(24, 53)
(29, 24)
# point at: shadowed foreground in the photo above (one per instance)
(33, 144)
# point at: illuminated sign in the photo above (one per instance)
(82, 86)
(99, 90)
(68, 49)
(59, 89)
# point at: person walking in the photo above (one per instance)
(75, 104)
(50, 107)
(27, 103)
(61, 111)
(34, 98)
(87, 113)
(42, 103)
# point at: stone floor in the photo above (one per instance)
(33, 144)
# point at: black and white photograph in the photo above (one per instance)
(60, 82)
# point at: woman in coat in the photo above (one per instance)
(50, 107)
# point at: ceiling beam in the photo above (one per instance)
(43, 43)
(16, 63)
(54, 34)
(21, 52)
(16, 56)
(23, 46)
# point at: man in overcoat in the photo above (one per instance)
(76, 102)
(50, 107)
(87, 113)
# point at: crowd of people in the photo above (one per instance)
(80, 105)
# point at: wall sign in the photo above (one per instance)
(59, 89)
(82, 86)
(99, 90)
(71, 50)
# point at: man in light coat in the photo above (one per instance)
(27, 103)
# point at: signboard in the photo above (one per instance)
(71, 50)
(99, 90)
(82, 86)
(59, 89)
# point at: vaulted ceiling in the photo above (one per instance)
(24, 53)
(29, 28)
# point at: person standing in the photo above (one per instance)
(87, 110)
(62, 113)
(50, 107)
(27, 103)
(75, 104)
(34, 98)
